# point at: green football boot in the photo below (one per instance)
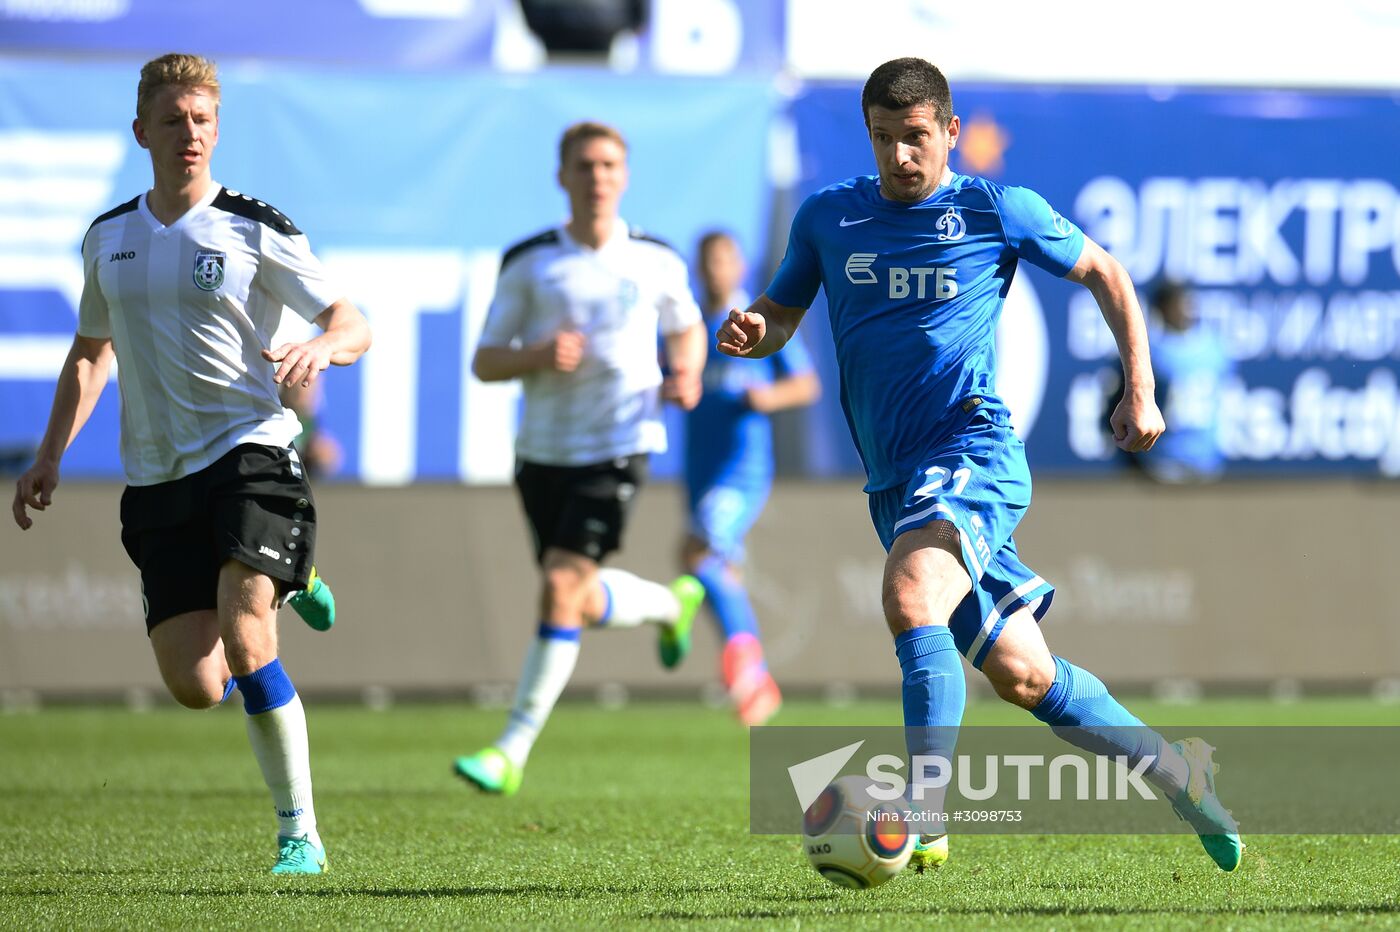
(930, 853)
(1199, 807)
(673, 641)
(299, 856)
(490, 771)
(315, 604)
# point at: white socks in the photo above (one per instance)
(1170, 771)
(633, 600)
(548, 666)
(279, 743)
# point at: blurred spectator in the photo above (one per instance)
(1192, 365)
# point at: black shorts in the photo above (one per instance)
(582, 509)
(252, 505)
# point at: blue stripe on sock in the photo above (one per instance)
(229, 687)
(607, 603)
(551, 632)
(265, 689)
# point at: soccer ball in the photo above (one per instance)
(853, 840)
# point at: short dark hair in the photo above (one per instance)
(713, 238)
(905, 82)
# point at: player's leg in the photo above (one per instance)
(264, 528)
(568, 580)
(190, 657)
(720, 517)
(179, 582)
(276, 720)
(924, 582)
(593, 524)
(940, 530)
(1079, 708)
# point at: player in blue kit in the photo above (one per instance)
(915, 263)
(728, 472)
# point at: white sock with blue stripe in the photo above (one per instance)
(277, 732)
(632, 600)
(548, 667)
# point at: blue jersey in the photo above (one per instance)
(727, 442)
(914, 292)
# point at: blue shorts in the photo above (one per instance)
(979, 481)
(722, 514)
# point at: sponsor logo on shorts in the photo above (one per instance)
(267, 551)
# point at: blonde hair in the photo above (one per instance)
(586, 130)
(178, 70)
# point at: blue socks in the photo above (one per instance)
(1079, 709)
(265, 689)
(935, 694)
(728, 598)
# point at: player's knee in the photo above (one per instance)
(1017, 681)
(908, 607)
(561, 587)
(194, 692)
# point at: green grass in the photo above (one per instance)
(634, 817)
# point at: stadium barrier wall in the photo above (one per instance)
(1229, 584)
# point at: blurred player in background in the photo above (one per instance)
(184, 285)
(320, 453)
(729, 470)
(915, 263)
(1191, 364)
(575, 318)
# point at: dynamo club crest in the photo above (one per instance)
(208, 269)
(950, 222)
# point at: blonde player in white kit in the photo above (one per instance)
(575, 318)
(184, 285)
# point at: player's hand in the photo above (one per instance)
(1136, 422)
(564, 351)
(682, 389)
(300, 362)
(740, 333)
(34, 490)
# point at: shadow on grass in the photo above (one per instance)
(779, 912)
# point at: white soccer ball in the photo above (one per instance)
(855, 841)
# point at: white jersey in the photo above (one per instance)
(618, 296)
(189, 308)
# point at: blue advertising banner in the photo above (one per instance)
(408, 186)
(1278, 210)
(678, 36)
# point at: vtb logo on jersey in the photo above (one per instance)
(934, 283)
(208, 269)
(858, 271)
(950, 225)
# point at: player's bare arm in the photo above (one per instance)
(761, 330)
(1136, 421)
(560, 353)
(80, 384)
(345, 340)
(794, 391)
(685, 357)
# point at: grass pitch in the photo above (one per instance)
(632, 817)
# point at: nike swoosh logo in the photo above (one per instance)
(851, 223)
